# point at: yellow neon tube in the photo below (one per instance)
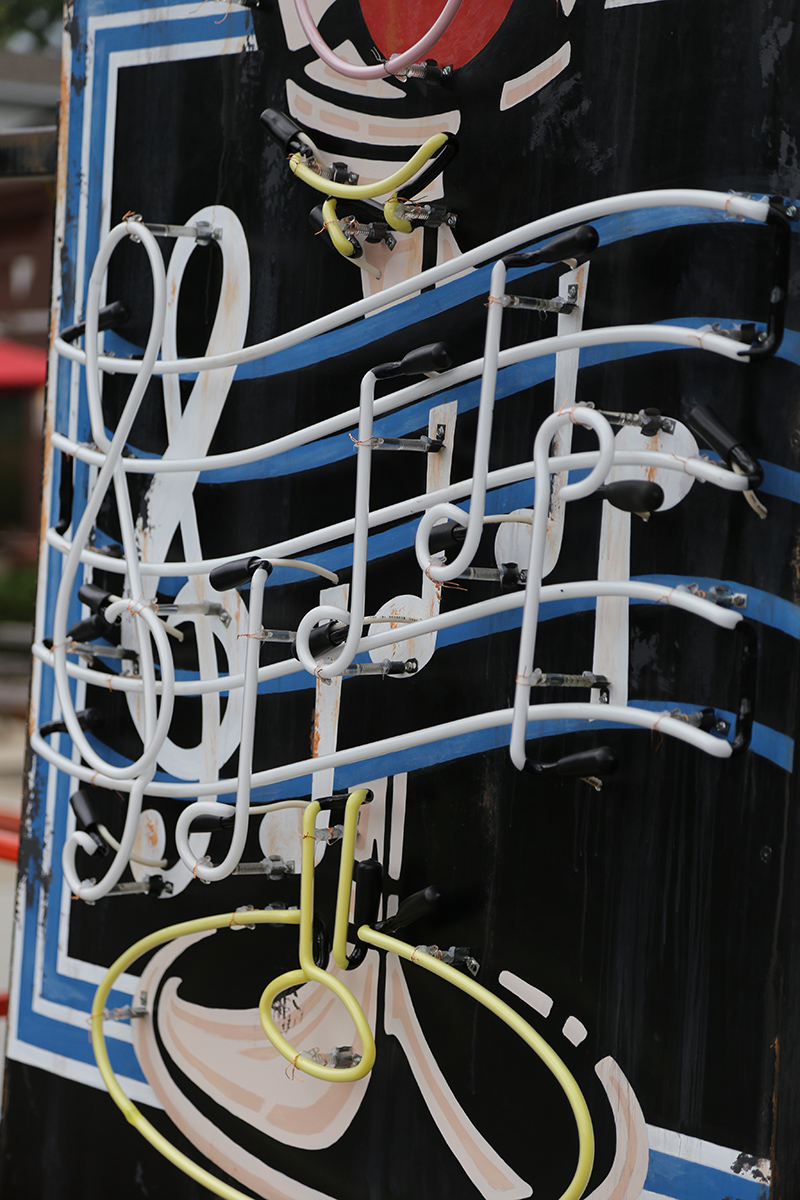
(366, 191)
(128, 1108)
(309, 971)
(389, 215)
(521, 1027)
(342, 243)
(354, 802)
(304, 918)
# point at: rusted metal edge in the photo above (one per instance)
(28, 153)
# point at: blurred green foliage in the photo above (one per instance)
(17, 594)
(35, 18)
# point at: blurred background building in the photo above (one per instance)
(30, 69)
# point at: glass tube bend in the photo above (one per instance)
(396, 64)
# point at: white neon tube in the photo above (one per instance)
(354, 618)
(734, 206)
(89, 891)
(615, 714)
(726, 618)
(541, 510)
(206, 870)
(155, 731)
(663, 334)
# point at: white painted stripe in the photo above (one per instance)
(624, 4)
(387, 132)
(539, 1001)
(376, 89)
(527, 85)
(398, 826)
(706, 1154)
(575, 1031)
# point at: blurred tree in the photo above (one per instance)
(29, 24)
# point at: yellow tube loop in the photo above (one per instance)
(126, 1106)
(354, 802)
(546, 1053)
(310, 972)
(342, 243)
(366, 191)
(390, 211)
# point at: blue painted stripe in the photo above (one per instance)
(765, 742)
(764, 607)
(780, 481)
(34, 1028)
(683, 1180)
(471, 287)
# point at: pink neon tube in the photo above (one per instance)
(396, 64)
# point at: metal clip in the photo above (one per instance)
(203, 232)
(127, 1012)
(408, 666)
(151, 885)
(274, 867)
(203, 608)
(559, 304)
(243, 908)
(424, 444)
(456, 956)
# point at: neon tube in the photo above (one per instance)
(303, 917)
(612, 335)
(651, 592)
(734, 206)
(205, 870)
(612, 714)
(309, 972)
(396, 64)
(366, 191)
(155, 730)
(546, 1053)
(354, 619)
(541, 511)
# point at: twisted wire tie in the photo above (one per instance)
(653, 729)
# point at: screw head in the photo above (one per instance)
(794, 440)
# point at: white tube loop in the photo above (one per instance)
(541, 509)
(725, 618)
(204, 870)
(354, 619)
(90, 892)
(434, 568)
(109, 473)
(137, 777)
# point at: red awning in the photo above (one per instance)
(21, 366)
